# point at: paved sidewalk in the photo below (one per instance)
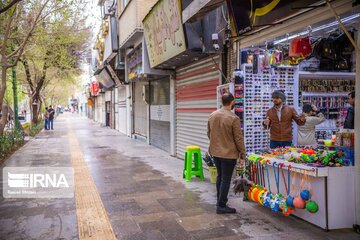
(141, 190)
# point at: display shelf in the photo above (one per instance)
(324, 94)
(321, 75)
(258, 88)
(313, 171)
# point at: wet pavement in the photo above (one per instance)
(142, 195)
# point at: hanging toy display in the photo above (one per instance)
(290, 198)
(298, 196)
(267, 196)
(298, 201)
(287, 209)
(278, 200)
(306, 195)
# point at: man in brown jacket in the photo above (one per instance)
(226, 146)
(279, 119)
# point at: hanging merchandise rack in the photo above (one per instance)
(258, 87)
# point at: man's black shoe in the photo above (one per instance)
(224, 210)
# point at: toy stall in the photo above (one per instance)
(313, 66)
(310, 184)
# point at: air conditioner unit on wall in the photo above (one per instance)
(109, 8)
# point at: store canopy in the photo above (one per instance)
(104, 77)
(248, 15)
(297, 22)
(198, 9)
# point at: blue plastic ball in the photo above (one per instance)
(289, 201)
(275, 208)
(305, 195)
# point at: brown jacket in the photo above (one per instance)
(282, 130)
(226, 137)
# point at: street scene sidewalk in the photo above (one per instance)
(141, 192)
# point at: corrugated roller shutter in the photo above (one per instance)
(122, 109)
(195, 100)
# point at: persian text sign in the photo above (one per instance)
(164, 32)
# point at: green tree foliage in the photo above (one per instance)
(53, 55)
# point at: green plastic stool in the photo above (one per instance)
(193, 155)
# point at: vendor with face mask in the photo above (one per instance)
(306, 132)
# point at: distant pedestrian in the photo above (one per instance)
(226, 146)
(349, 120)
(306, 132)
(51, 112)
(46, 116)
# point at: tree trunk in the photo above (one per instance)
(4, 112)
(36, 106)
(2, 93)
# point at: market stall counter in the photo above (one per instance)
(317, 193)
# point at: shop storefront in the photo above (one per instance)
(139, 93)
(311, 60)
(159, 94)
(191, 51)
(140, 108)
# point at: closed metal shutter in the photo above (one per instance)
(140, 109)
(122, 109)
(160, 114)
(195, 100)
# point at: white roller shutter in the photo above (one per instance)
(195, 100)
(122, 109)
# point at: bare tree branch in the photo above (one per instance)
(21, 48)
(27, 73)
(7, 7)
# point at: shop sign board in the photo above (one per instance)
(246, 15)
(135, 64)
(164, 32)
(94, 88)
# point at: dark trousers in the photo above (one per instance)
(225, 168)
(276, 144)
(46, 124)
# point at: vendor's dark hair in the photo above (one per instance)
(352, 94)
(227, 98)
(307, 108)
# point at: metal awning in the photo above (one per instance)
(199, 8)
(104, 77)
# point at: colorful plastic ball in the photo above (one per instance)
(289, 201)
(255, 194)
(312, 206)
(267, 199)
(299, 203)
(305, 195)
(274, 205)
(261, 197)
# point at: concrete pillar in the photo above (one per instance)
(172, 116)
